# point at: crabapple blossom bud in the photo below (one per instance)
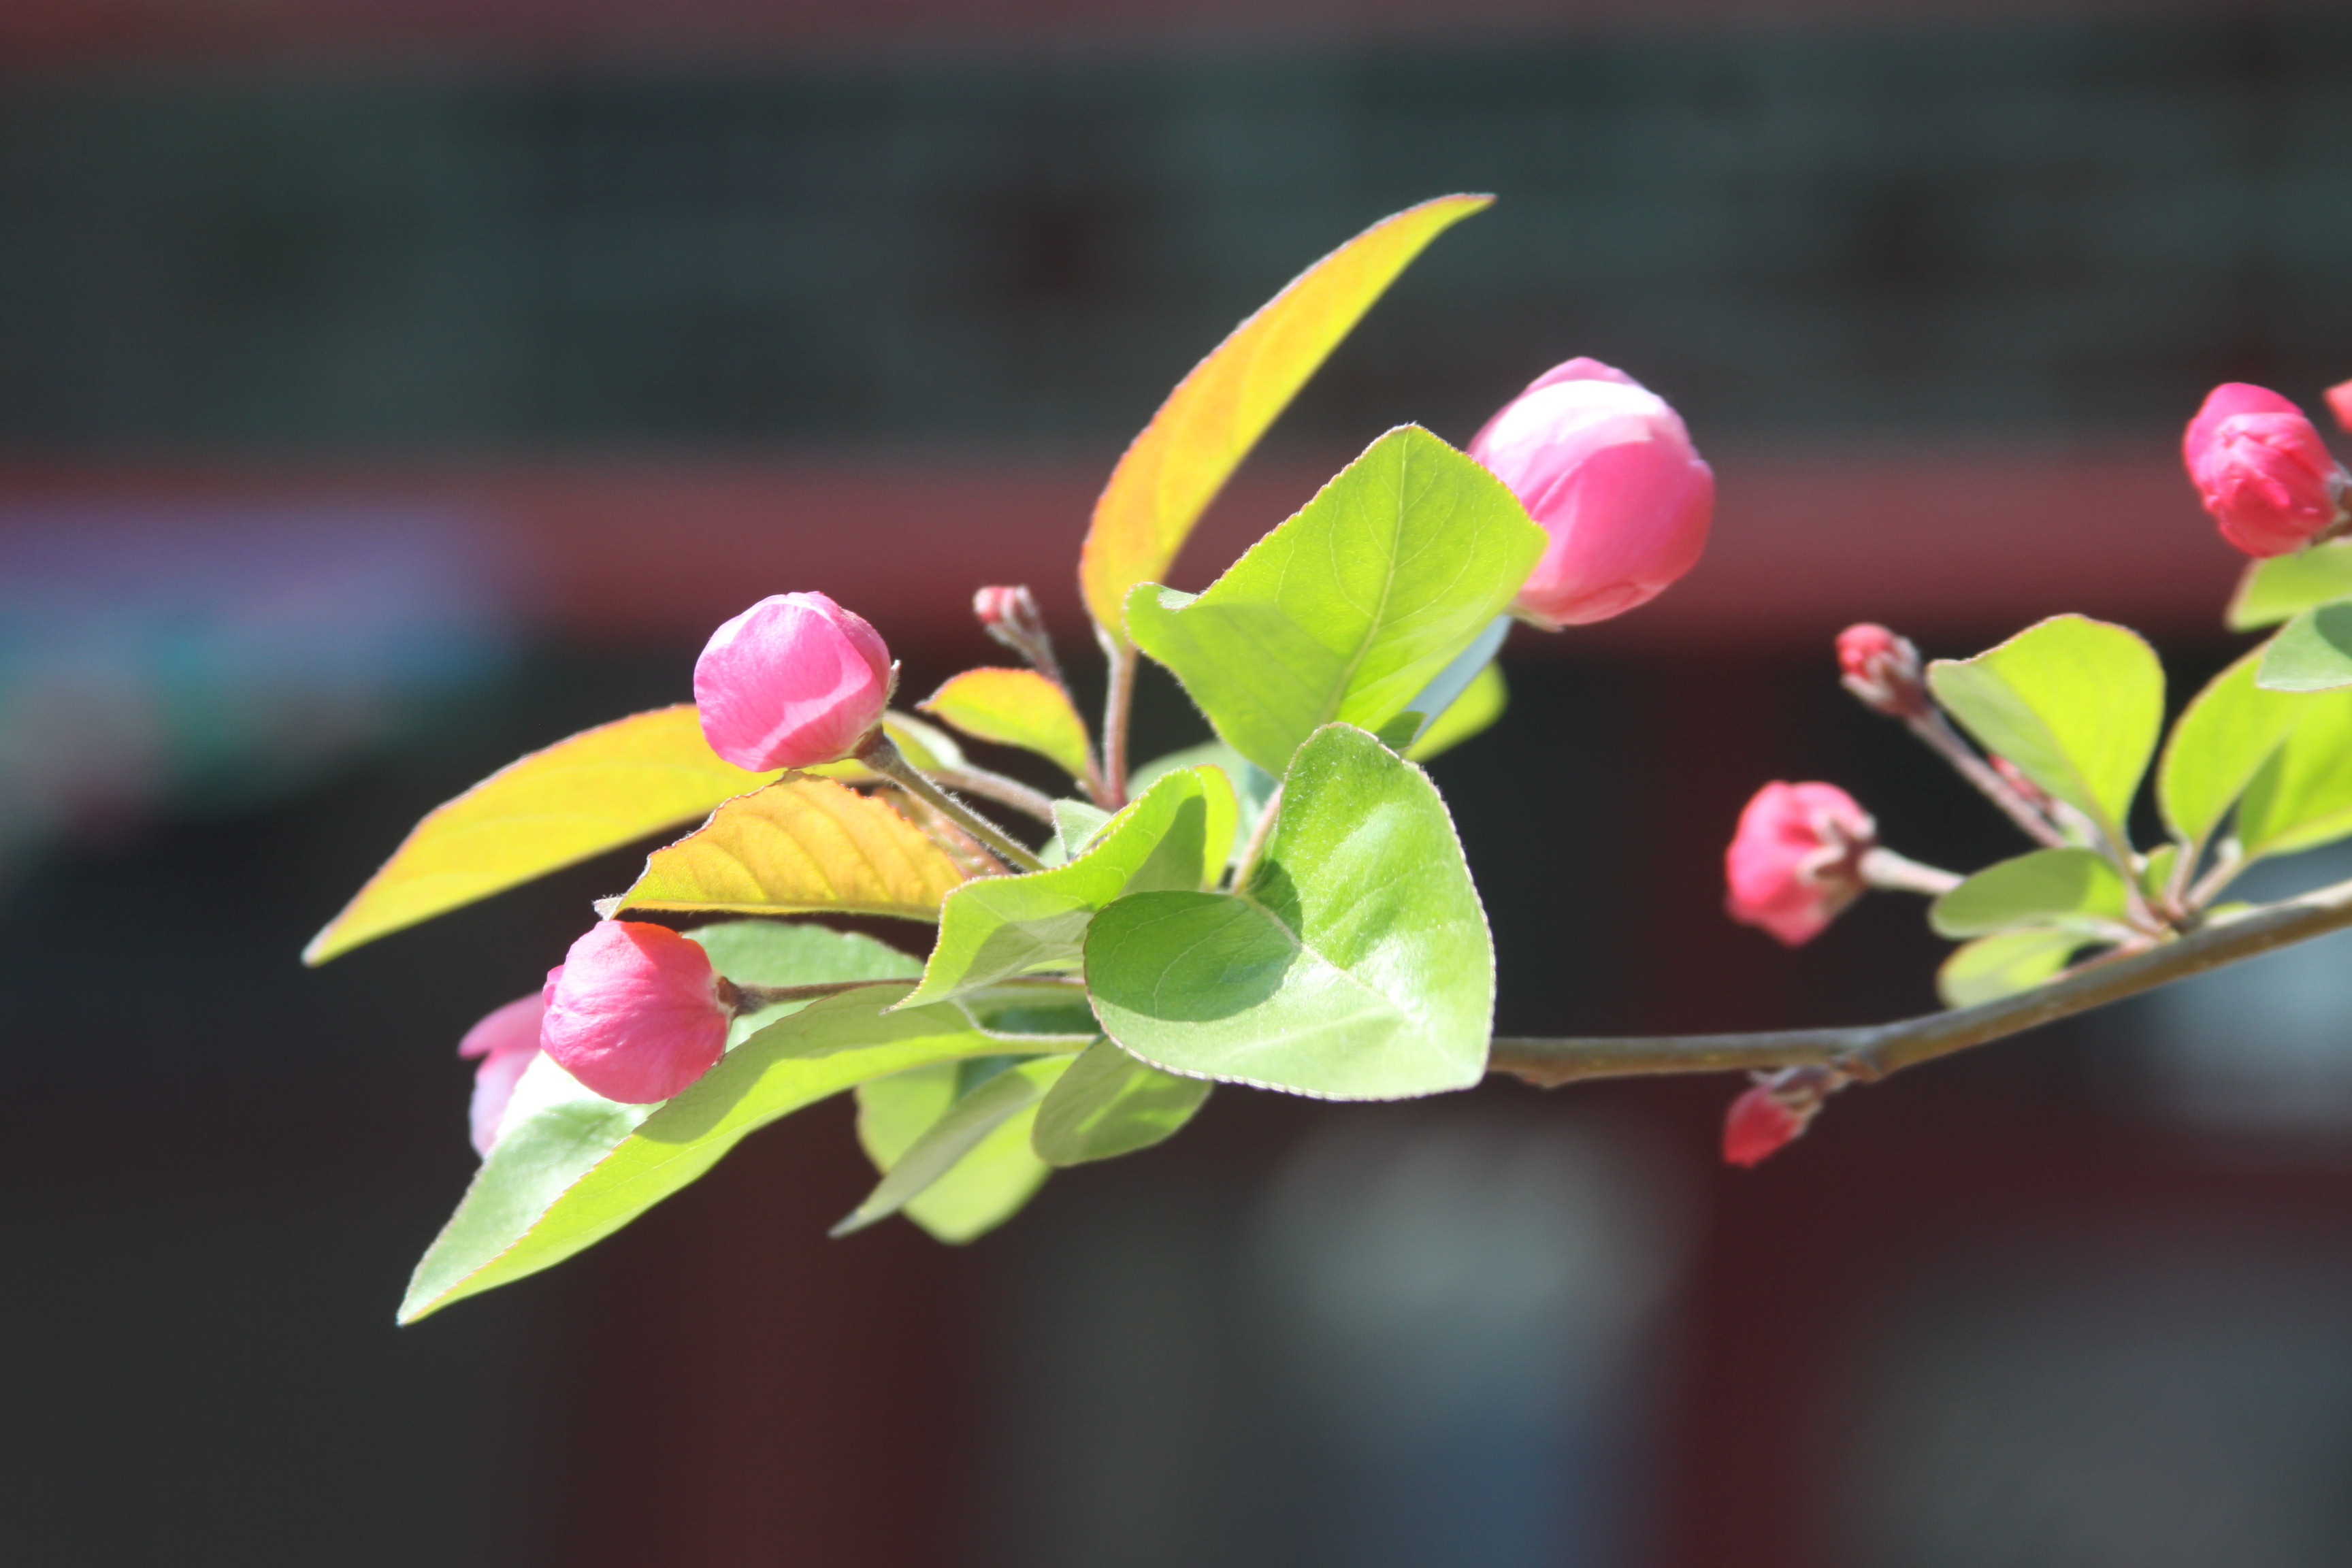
(1796, 860)
(505, 1041)
(1882, 670)
(2339, 402)
(1776, 1113)
(2261, 470)
(1010, 616)
(1608, 469)
(635, 1011)
(793, 681)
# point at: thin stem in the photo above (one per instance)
(743, 998)
(1937, 731)
(1258, 836)
(1900, 874)
(2228, 862)
(879, 753)
(1872, 1051)
(1002, 790)
(1118, 700)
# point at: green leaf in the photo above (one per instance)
(1076, 823)
(1478, 706)
(2073, 702)
(981, 1191)
(789, 952)
(2156, 871)
(2218, 745)
(1000, 1110)
(571, 1168)
(1349, 609)
(2047, 886)
(1109, 1103)
(1253, 786)
(1016, 708)
(1354, 965)
(2286, 585)
(998, 927)
(1992, 967)
(1398, 733)
(2312, 653)
(2302, 796)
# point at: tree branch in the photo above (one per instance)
(1872, 1051)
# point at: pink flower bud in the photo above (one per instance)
(793, 681)
(1010, 616)
(1776, 1113)
(2339, 402)
(1882, 670)
(506, 1041)
(635, 1012)
(1796, 860)
(1607, 467)
(2261, 470)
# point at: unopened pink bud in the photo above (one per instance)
(2339, 402)
(635, 1012)
(1776, 1113)
(505, 1041)
(2261, 470)
(1608, 471)
(1796, 860)
(1882, 670)
(791, 683)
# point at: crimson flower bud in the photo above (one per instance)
(505, 1041)
(2339, 402)
(1882, 670)
(2261, 470)
(1796, 860)
(635, 1012)
(1776, 1113)
(1608, 469)
(793, 681)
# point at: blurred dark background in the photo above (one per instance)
(386, 390)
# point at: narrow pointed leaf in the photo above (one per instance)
(1992, 967)
(981, 1191)
(2074, 703)
(1173, 837)
(2047, 886)
(958, 1132)
(1016, 708)
(801, 844)
(574, 800)
(2302, 796)
(2312, 652)
(1355, 964)
(1480, 704)
(2220, 742)
(1199, 437)
(2284, 586)
(1348, 610)
(1109, 1104)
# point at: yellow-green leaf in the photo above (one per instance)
(597, 791)
(1481, 703)
(1172, 472)
(1016, 708)
(2004, 965)
(800, 845)
(2283, 587)
(2302, 798)
(2220, 742)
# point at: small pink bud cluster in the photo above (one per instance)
(1011, 616)
(1608, 471)
(792, 682)
(1776, 1113)
(2262, 471)
(1795, 862)
(1882, 670)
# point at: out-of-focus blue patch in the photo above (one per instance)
(164, 657)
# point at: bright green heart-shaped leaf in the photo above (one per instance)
(2073, 702)
(1253, 786)
(2048, 887)
(570, 1167)
(2302, 796)
(977, 1116)
(2218, 745)
(802, 845)
(1349, 609)
(1174, 836)
(1355, 964)
(979, 1191)
(2312, 652)
(1992, 967)
(1016, 708)
(1175, 467)
(2286, 585)
(1481, 703)
(1109, 1103)
(599, 790)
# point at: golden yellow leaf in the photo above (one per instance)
(801, 846)
(1172, 472)
(1014, 708)
(599, 790)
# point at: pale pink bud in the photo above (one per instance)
(793, 681)
(2339, 402)
(1010, 616)
(2261, 470)
(1776, 1113)
(1882, 670)
(1796, 860)
(1608, 471)
(505, 1041)
(635, 1012)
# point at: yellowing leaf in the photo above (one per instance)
(597, 791)
(1199, 437)
(801, 845)
(1016, 708)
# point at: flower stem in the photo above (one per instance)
(1937, 731)
(1002, 790)
(880, 754)
(1897, 873)
(1119, 702)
